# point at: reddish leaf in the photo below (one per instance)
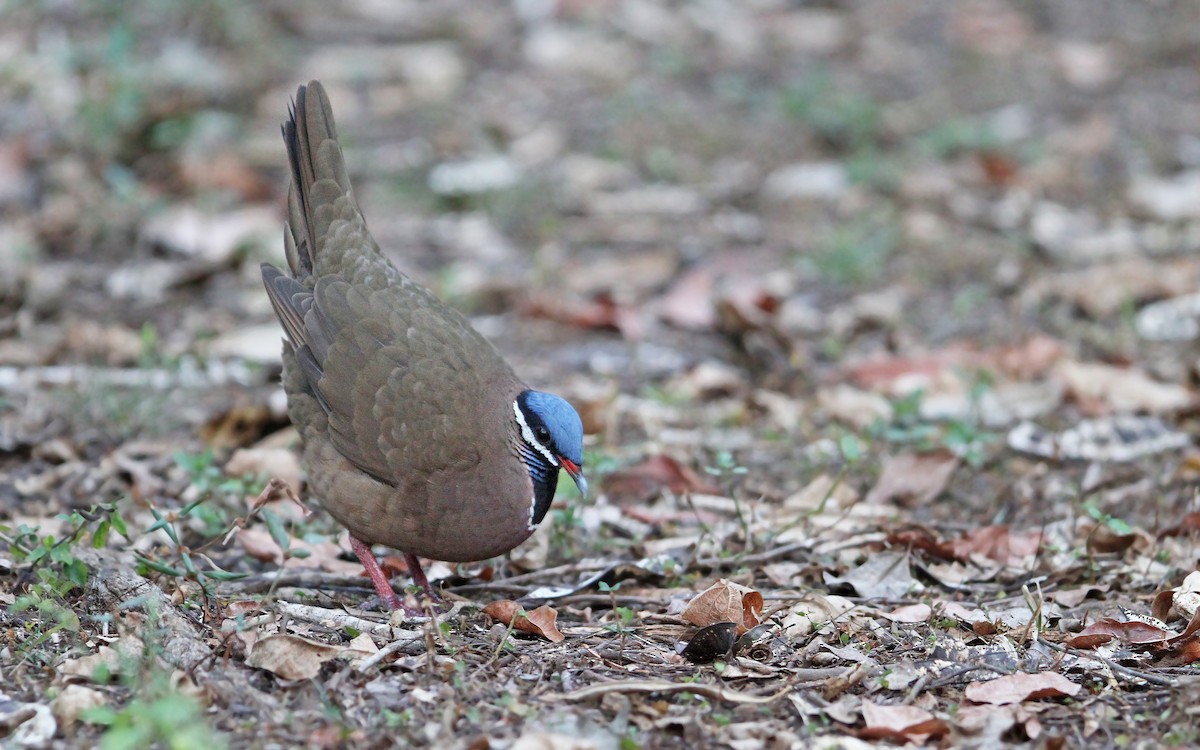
(1161, 607)
(999, 168)
(917, 538)
(647, 479)
(1186, 653)
(1188, 526)
(1133, 632)
(900, 723)
(881, 374)
(1090, 640)
(1192, 627)
(997, 543)
(601, 312)
(1023, 686)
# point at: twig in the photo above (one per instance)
(715, 692)
(1115, 667)
(301, 578)
(397, 645)
(757, 557)
(510, 583)
(188, 375)
(339, 620)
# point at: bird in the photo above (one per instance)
(416, 433)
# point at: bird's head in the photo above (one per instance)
(551, 438)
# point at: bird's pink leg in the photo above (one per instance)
(418, 575)
(382, 586)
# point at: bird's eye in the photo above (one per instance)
(542, 434)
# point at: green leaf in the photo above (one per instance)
(77, 573)
(100, 535)
(851, 447)
(159, 567)
(162, 523)
(188, 565)
(275, 527)
(103, 715)
(224, 575)
(1119, 526)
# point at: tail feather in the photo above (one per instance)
(320, 192)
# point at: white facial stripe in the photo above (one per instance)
(530, 439)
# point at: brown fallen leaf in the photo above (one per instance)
(602, 312)
(240, 425)
(1184, 654)
(998, 167)
(900, 723)
(883, 373)
(1190, 524)
(725, 601)
(279, 463)
(1031, 358)
(913, 479)
(645, 480)
(688, 302)
(1104, 540)
(1134, 632)
(998, 543)
(910, 613)
(291, 657)
(541, 621)
(1022, 686)
(1073, 597)
(1102, 388)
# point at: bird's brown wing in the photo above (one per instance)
(387, 361)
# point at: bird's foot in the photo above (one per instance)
(383, 587)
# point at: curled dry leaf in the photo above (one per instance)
(291, 657)
(1022, 686)
(1186, 598)
(541, 621)
(725, 601)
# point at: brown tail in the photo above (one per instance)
(320, 191)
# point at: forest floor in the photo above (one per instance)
(880, 316)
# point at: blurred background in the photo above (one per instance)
(691, 217)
